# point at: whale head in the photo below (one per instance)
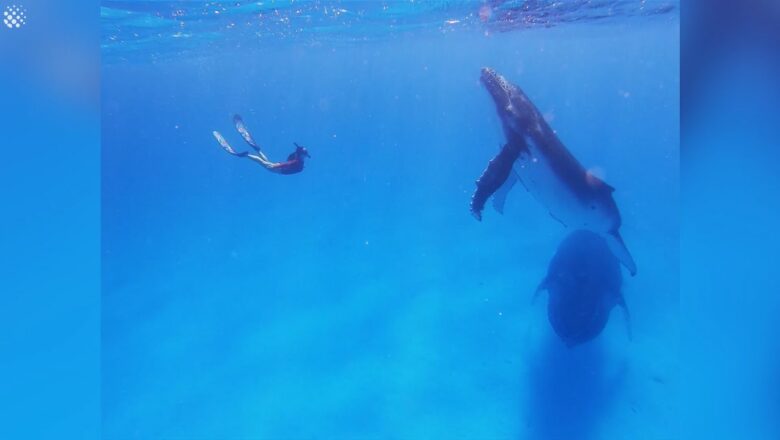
(512, 105)
(498, 87)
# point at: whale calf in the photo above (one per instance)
(534, 156)
(583, 284)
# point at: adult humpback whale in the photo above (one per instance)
(535, 156)
(583, 282)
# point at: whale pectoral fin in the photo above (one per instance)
(618, 248)
(499, 197)
(521, 181)
(539, 289)
(495, 174)
(627, 316)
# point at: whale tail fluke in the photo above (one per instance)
(619, 249)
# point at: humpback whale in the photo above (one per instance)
(583, 282)
(534, 156)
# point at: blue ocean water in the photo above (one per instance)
(49, 214)
(730, 187)
(360, 299)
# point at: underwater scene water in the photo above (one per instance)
(360, 298)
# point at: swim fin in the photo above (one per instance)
(226, 146)
(241, 127)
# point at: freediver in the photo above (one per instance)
(293, 164)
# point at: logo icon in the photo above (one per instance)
(14, 16)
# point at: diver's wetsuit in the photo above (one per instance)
(294, 164)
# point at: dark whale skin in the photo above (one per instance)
(493, 177)
(583, 282)
(548, 170)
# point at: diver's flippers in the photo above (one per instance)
(627, 316)
(618, 248)
(226, 146)
(241, 127)
(499, 197)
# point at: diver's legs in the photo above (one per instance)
(260, 158)
(270, 166)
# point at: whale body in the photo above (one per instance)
(534, 156)
(583, 283)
